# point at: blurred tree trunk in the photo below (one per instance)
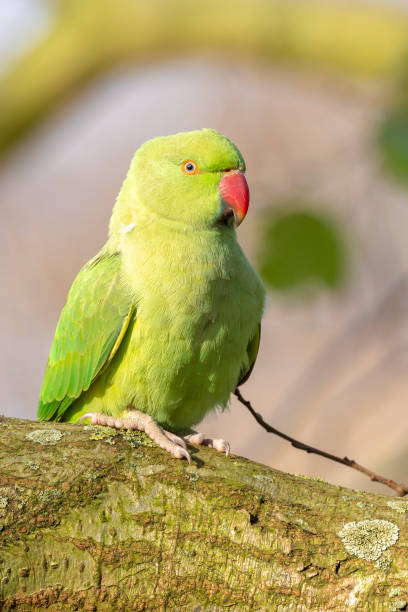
(85, 39)
(93, 519)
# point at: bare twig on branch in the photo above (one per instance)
(401, 489)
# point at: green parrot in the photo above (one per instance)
(164, 322)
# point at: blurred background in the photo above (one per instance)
(315, 95)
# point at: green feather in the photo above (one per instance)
(166, 319)
(252, 352)
(97, 312)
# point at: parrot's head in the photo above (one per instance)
(192, 178)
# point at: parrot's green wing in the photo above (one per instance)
(89, 332)
(252, 351)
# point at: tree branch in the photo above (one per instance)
(401, 489)
(92, 518)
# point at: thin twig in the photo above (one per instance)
(401, 489)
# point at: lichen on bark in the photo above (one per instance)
(101, 521)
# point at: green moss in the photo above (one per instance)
(131, 436)
(264, 478)
(102, 433)
(149, 470)
(45, 436)
(398, 505)
(368, 539)
(312, 478)
(398, 605)
(134, 438)
(304, 525)
(383, 564)
(49, 494)
(137, 438)
(3, 504)
(139, 522)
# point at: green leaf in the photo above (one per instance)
(302, 248)
(393, 140)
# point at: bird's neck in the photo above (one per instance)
(149, 243)
(132, 221)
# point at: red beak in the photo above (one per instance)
(235, 194)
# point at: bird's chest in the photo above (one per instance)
(190, 319)
(198, 309)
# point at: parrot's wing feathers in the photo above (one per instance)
(91, 327)
(252, 352)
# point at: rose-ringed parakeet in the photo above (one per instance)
(164, 322)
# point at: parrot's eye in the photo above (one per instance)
(190, 167)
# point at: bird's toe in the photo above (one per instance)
(180, 453)
(195, 438)
(176, 439)
(218, 443)
(221, 445)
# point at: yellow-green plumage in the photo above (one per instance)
(162, 318)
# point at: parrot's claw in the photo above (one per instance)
(88, 415)
(199, 438)
(175, 439)
(141, 421)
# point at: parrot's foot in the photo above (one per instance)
(199, 438)
(143, 422)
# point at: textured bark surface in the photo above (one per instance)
(93, 519)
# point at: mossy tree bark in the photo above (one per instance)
(94, 519)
